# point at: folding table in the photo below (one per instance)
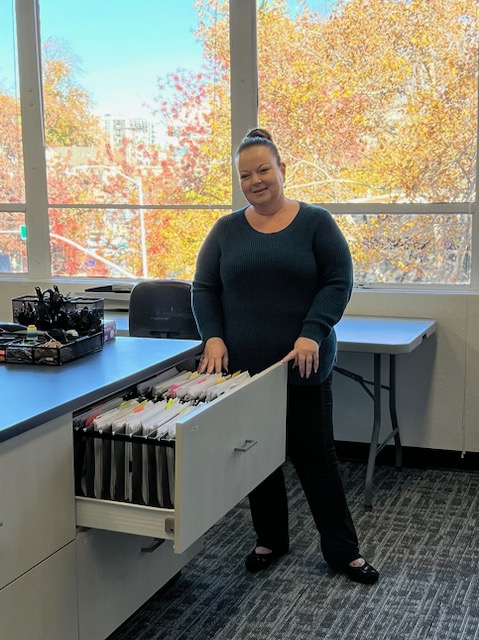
(381, 336)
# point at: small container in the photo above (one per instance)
(32, 334)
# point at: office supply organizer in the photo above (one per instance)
(68, 328)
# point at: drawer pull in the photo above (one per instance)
(247, 445)
(1, 524)
(153, 546)
(170, 526)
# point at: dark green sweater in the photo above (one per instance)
(261, 291)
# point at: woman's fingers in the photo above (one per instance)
(215, 357)
(305, 356)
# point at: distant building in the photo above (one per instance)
(138, 130)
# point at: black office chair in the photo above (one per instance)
(162, 309)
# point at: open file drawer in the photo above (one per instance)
(223, 450)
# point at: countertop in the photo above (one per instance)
(31, 395)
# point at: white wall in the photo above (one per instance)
(437, 401)
(438, 383)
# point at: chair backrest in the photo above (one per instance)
(12, 327)
(162, 309)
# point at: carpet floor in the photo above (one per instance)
(422, 535)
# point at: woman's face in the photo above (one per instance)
(261, 177)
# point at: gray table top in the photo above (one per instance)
(33, 394)
(367, 334)
(382, 334)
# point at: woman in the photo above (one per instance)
(272, 280)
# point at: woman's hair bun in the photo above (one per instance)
(259, 133)
(258, 137)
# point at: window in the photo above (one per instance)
(376, 105)
(137, 129)
(128, 143)
(13, 253)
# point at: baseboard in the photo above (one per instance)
(412, 456)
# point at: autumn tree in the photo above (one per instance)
(11, 176)
(69, 118)
(375, 102)
(383, 110)
(11, 155)
(195, 109)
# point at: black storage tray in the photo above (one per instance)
(17, 352)
(70, 307)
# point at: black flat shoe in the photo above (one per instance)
(366, 574)
(259, 561)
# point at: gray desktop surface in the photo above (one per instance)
(370, 334)
(364, 334)
(31, 395)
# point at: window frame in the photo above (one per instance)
(244, 112)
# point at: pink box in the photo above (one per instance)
(109, 330)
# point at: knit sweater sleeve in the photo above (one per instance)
(335, 279)
(207, 287)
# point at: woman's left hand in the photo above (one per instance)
(305, 356)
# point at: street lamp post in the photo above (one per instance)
(144, 257)
(139, 185)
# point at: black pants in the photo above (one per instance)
(310, 447)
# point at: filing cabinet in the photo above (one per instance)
(38, 597)
(77, 561)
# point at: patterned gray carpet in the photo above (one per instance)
(423, 536)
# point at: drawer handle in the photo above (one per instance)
(153, 546)
(1, 524)
(247, 445)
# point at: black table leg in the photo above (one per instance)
(373, 447)
(392, 410)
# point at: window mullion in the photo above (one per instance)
(38, 239)
(244, 78)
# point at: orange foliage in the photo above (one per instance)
(376, 102)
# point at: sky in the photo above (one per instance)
(123, 45)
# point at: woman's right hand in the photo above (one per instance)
(215, 357)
